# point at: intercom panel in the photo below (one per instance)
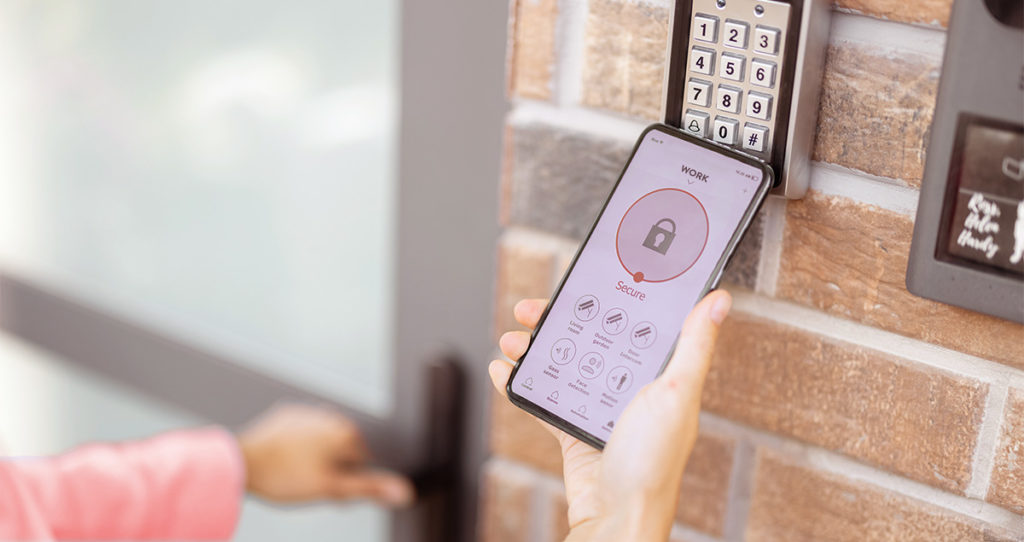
(747, 74)
(968, 247)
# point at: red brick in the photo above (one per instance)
(929, 12)
(523, 271)
(876, 111)
(532, 57)
(704, 493)
(506, 506)
(850, 259)
(625, 57)
(794, 503)
(1007, 484)
(557, 180)
(914, 421)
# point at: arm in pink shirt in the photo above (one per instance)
(184, 485)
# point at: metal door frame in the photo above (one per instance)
(452, 110)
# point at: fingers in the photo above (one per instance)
(514, 343)
(500, 372)
(692, 357)
(528, 311)
(385, 487)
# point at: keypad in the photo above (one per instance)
(732, 84)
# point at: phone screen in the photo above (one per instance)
(650, 257)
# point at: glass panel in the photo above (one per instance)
(223, 170)
(48, 406)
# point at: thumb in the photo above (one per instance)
(385, 487)
(692, 357)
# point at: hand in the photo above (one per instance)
(299, 453)
(630, 491)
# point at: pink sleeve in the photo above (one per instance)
(184, 485)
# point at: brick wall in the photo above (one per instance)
(839, 406)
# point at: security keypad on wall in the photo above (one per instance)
(747, 74)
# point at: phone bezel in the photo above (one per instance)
(712, 282)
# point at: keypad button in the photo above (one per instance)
(726, 130)
(702, 61)
(696, 122)
(732, 67)
(754, 137)
(759, 106)
(698, 92)
(729, 99)
(705, 28)
(766, 40)
(735, 34)
(762, 73)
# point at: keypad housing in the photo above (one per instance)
(732, 81)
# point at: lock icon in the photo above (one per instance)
(660, 239)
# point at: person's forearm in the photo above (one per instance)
(180, 485)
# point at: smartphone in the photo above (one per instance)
(672, 221)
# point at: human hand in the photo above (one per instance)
(297, 453)
(630, 491)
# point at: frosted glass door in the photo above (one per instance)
(221, 170)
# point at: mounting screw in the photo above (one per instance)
(759, 10)
(721, 4)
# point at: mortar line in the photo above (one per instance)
(577, 119)
(895, 36)
(848, 468)
(986, 446)
(899, 346)
(771, 245)
(570, 47)
(741, 483)
(881, 192)
(682, 532)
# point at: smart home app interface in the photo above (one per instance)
(618, 314)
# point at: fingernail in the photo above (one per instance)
(721, 309)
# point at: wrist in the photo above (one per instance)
(246, 452)
(639, 525)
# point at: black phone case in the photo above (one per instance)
(711, 284)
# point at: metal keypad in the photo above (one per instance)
(735, 60)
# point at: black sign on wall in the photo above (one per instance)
(984, 204)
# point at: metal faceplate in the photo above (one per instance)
(747, 74)
(975, 160)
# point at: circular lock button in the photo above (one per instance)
(662, 235)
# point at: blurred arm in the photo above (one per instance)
(179, 485)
